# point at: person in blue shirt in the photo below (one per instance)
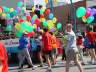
(24, 52)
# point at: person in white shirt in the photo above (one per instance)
(71, 49)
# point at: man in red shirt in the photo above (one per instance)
(47, 46)
(3, 59)
(91, 37)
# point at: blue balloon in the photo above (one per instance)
(51, 16)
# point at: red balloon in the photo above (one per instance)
(21, 20)
(37, 21)
(47, 11)
(28, 18)
(87, 14)
(1, 8)
(42, 16)
(31, 34)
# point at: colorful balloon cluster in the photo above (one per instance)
(87, 15)
(29, 24)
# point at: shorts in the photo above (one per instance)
(54, 51)
(39, 48)
(49, 53)
(91, 46)
(71, 55)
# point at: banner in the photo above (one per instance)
(11, 45)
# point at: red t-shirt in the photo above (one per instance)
(3, 57)
(91, 36)
(47, 41)
(79, 41)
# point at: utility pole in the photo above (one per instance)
(51, 5)
(73, 14)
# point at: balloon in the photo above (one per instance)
(84, 19)
(9, 21)
(42, 16)
(9, 28)
(21, 20)
(34, 17)
(90, 19)
(51, 16)
(24, 17)
(23, 10)
(42, 19)
(80, 12)
(18, 33)
(50, 24)
(59, 25)
(52, 30)
(17, 26)
(1, 10)
(87, 14)
(47, 11)
(88, 9)
(18, 9)
(93, 11)
(54, 20)
(11, 9)
(41, 11)
(3, 15)
(31, 34)
(46, 1)
(32, 21)
(8, 16)
(34, 26)
(37, 21)
(27, 13)
(20, 4)
(12, 15)
(33, 9)
(28, 18)
(6, 9)
(45, 23)
(29, 29)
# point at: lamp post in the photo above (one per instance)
(73, 14)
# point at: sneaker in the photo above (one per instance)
(21, 66)
(49, 70)
(93, 62)
(33, 68)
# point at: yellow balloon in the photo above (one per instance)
(3, 15)
(33, 9)
(34, 26)
(0, 11)
(11, 9)
(46, 1)
(41, 30)
(54, 20)
(17, 26)
(42, 19)
(50, 24)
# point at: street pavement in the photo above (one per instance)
(59, 67)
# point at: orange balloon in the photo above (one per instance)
(46, 1)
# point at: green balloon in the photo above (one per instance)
(8, 16)
(41, 11)
(18, 33)
(80, 12)
(45, 23)
(9, 28)
(59, 26)
(90, 19)
(20, 4)
(34, 17)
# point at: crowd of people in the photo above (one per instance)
(47, 47)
